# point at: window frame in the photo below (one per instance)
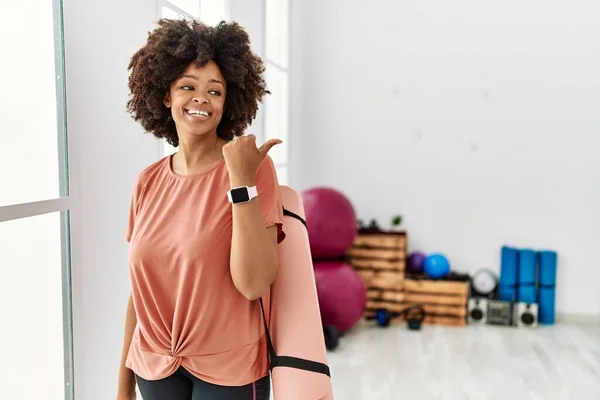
(62, 204)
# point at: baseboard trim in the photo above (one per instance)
(578, 319)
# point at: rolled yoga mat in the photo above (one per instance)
(547, 286)
(509, 266)
(527, 277)
(294, 315)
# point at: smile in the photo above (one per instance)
(198, 113)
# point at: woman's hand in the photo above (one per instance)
(243, 158)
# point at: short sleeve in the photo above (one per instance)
(133, 209)
(269, 196)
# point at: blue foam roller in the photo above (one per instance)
(527, 267)
(527, 294)
(548, 260)
(507, 293)
(546, 305)
(508, 266)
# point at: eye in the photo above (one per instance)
(214, 92)
(187, 87)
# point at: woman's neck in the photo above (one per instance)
(197, 154)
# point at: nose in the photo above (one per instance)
(200, 98)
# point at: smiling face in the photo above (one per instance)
(197, 100)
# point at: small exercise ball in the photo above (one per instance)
(331, 222)
(436, 266)
(342, 294)
(415, 261)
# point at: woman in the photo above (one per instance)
(204, 223)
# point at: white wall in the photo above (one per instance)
(299, 24)
(478, 121)
(100, 39)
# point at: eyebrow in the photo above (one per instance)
(212, 80)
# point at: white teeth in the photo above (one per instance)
(198, 112)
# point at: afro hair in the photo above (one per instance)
(170, 49)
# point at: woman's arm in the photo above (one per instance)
(126, 388)
(253, 249)
(253, 258)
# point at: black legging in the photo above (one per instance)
(184, 386)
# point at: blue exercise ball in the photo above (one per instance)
(436, 266)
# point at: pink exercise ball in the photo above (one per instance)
(342, 294)
(331, 222)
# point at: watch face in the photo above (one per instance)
(484, 282)
(239, 195)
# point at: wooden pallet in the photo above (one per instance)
(433, 320)
(379, 257)
(444, 301)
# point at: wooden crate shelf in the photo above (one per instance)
(379, 257)
(444, 301)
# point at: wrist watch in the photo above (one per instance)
(242, 194)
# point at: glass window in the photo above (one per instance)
(191, 7)
(29, 133)
(277, 32)
(276, 113)
(31, 308)
(34, 304)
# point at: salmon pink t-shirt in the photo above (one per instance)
(189, 312)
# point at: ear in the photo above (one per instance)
(167, 100)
